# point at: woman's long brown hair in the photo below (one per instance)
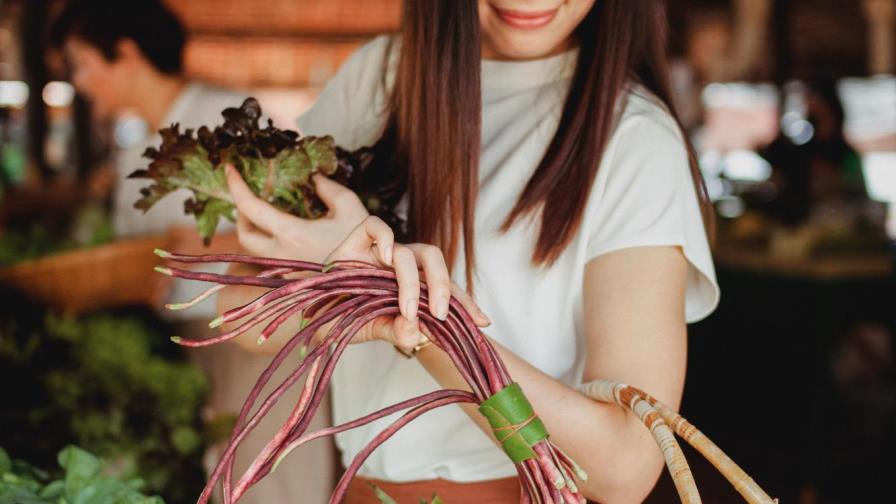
(433, 131)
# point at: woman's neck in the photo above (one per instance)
(489, 53)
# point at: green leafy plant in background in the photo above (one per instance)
(84, 480)
(30, 243)
(89, 226)
(108, 383)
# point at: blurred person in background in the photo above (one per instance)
(127, 58)
(836, 169)
(812, 162)
(707, 40)
(719, 44)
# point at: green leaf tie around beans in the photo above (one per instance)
(514, 422)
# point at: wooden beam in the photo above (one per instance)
(33, 22)
(881, 17)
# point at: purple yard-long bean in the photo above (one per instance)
(343, 297)
(338, 300)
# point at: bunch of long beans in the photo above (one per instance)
(348, 295)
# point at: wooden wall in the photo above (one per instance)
(278, 43)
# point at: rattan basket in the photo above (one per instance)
(118, 274)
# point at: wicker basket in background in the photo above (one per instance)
(117, 274)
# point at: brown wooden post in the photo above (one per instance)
(881, 17)
(34, 17)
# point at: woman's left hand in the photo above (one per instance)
(374, 242)
(266, 231)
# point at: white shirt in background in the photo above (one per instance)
(643, 195)
(197, 105)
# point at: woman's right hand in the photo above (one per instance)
(265, 231)
(374, 242)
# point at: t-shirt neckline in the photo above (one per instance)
(514, 75)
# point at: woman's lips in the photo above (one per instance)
(523, 19)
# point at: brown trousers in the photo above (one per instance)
(502, 491)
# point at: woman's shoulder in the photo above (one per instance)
(642, 109)
(379, 44)
(367, 64)
(352, 106)
(646, 136)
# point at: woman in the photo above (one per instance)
(548, 176)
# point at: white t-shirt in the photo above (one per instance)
(643, 195)
(197, 105)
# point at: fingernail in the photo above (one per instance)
(482, 314)
(441, 308)
(411, 309)
(387, 254)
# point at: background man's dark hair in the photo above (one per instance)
(104, 23)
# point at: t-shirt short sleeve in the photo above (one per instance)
(644, 195)
(352, 105)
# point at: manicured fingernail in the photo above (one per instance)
(441, 308)
(387, 254)
(411, 309)
(485, 318)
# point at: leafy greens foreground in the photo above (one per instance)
(277, 165)
(84, 481)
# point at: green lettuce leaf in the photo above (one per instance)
(276, 164)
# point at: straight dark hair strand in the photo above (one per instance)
(432, 135)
